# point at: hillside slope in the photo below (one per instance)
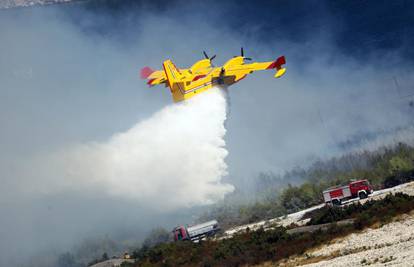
(391, 244)
(296, 217)
(386, 222)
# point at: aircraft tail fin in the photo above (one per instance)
(174, 78)
(172, 72)
(277, 64)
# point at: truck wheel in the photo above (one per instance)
(336, 202)
(362, 195)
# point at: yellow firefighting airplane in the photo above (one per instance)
(186, 83)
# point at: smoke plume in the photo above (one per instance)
(173, 159)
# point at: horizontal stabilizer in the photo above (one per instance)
(280, 72)
(146, 72)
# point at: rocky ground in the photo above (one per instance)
(388, 245)
(391, 244)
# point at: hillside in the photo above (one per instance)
(297, 217)
(274, 245)
(291, 223)
(378, 245)
(391, 244)
(384, 167)
(287, 225)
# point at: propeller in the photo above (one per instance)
(242, 54)
(207, 57)
(222, 72)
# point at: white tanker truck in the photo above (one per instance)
(196, 232)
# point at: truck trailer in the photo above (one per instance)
(335, 195)
(196, 232)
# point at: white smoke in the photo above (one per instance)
(173, 159)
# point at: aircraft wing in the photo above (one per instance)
(277, 64)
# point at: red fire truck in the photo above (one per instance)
(335, 195)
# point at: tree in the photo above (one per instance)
(105, 257)
(399, 164)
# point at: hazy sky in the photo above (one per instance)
(69, 77)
